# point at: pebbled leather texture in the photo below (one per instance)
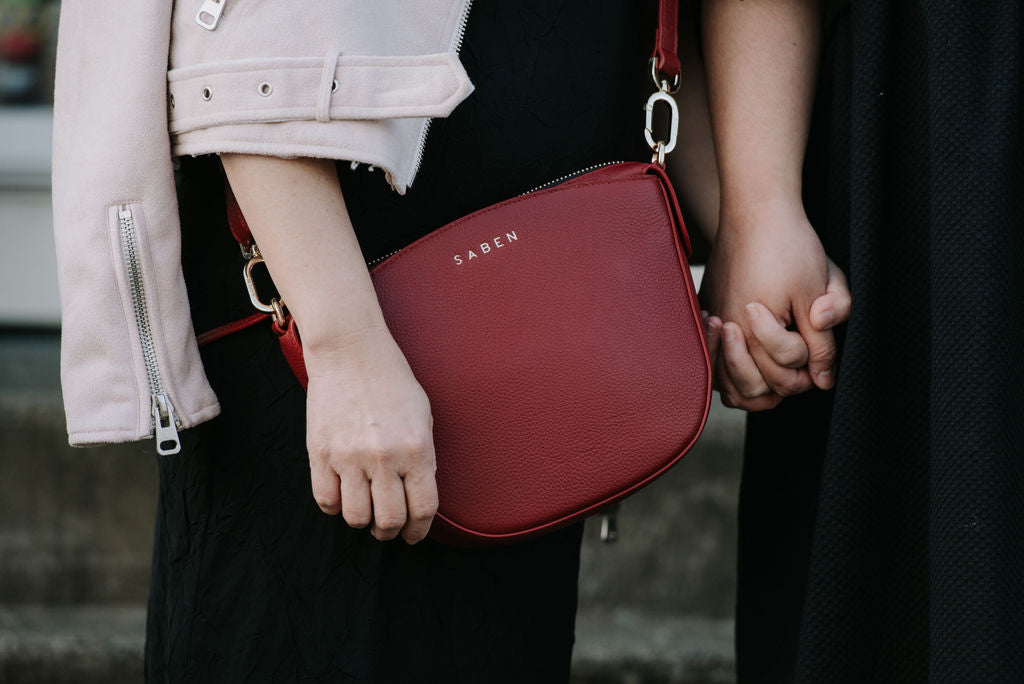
(564, 357)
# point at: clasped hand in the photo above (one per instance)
(772, 297)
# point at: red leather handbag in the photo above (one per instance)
(558, 337)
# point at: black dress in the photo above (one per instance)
(251, 582)
(882, 524)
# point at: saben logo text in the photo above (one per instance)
(496, 242)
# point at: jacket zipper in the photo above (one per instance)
(208, 15)
(551, 183)
(165, 423)
(456, 46)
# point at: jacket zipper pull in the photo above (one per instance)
(209, 14)
(167, 442)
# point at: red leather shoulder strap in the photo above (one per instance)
(236, 222)
(222, 331)
(666, 40)
(291, 347)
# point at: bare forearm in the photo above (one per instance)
(368, 425)
(297, 215)
(761, 58)
(692, 164)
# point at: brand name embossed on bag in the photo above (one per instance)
(495, 243)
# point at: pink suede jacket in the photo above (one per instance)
(139, 82)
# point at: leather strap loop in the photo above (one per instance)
(291, 348)
(236, 222)
(666, 39)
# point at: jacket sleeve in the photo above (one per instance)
(337, 80)
(127, 338)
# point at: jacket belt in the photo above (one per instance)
(304, 88)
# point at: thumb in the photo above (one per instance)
(821, 350)
(833, 307)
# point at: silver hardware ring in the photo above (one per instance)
(661, 96)
(659, 155)
(250, 285)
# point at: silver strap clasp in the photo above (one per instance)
(664, 91)
(661, 147)
(276, 306)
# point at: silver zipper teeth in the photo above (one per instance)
(138, 294)
(560, 179)
(460, 35)
(164, 420)
(380, 259)
(567, 176)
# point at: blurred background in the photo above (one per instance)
(76, 524)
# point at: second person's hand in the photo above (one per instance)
(759, 283)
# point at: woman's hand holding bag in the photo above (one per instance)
(368, 424)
